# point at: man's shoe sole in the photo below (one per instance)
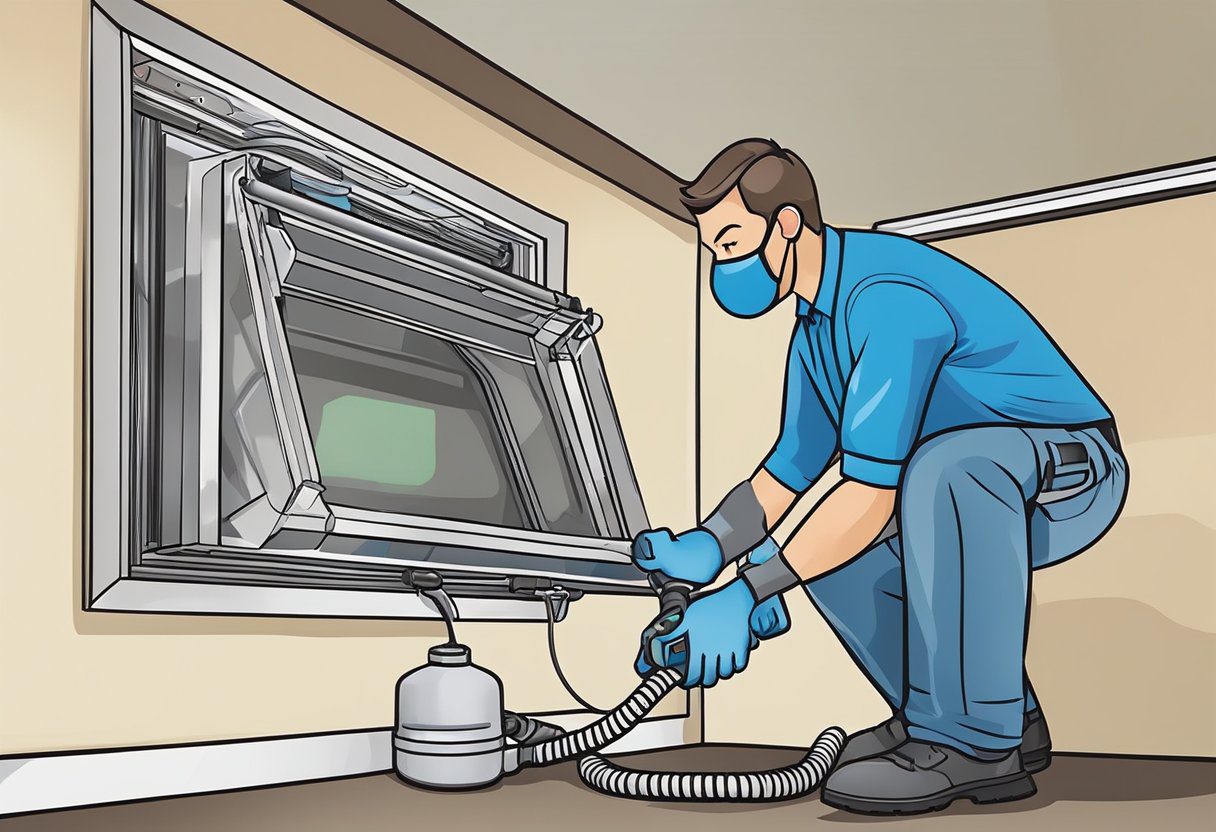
(1012, 787)
(1033, 762)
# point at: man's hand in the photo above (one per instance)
(718, 634)
(694, 556)
(768, 619)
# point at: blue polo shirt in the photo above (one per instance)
(903, 342)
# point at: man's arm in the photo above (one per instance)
(901, 336)
(772, 496)
(743, 519)
(840, 528)
(805, 446)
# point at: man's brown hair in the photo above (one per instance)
(768, 177)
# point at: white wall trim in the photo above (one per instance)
(32, 784)
(67, 780)
(1058, 203)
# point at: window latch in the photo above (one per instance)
(557, 597)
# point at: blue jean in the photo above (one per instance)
(937, 615)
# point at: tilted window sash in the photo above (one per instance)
(250, 478)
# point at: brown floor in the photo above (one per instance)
(1075, 793)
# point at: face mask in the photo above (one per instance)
(747, 287)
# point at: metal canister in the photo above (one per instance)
(449, 732)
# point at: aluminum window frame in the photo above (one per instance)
(537, 330)
(117, 578)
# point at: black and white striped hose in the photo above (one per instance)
(604, 776)
(783, 783)
(607, 729)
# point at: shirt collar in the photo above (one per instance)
(829, 277)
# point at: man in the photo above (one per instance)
(971, 451)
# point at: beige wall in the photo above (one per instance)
(70, 679)
(1123, 639)
(1025, 93)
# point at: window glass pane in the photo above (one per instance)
(561, 502)
(402, 455)
(399, 419)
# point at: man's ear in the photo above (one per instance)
(789, 220)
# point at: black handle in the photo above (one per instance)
(674, 597)
(421, 579)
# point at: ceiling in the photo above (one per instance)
(897, 106)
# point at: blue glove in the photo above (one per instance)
(718, 635)
(694, 556)
(771, 617)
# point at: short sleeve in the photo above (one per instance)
(807, 441)
(900, 335)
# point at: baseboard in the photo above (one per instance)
(41, 783)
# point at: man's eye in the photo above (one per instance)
(726, 247)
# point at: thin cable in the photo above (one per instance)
(557, 665)
(451, 631)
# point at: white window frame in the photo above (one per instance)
(117, 577)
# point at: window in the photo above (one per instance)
(313, 365)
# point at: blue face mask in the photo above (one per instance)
(746, 287)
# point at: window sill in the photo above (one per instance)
(138, 595)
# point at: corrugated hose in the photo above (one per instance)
(545, 744)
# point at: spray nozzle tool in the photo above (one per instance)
(674, 597)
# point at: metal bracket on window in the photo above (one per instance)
(580, 330)
(303, 522)
(558, 600)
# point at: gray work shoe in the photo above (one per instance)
(883, 737)
(886, 736)
(921, 777)
(1036, 742)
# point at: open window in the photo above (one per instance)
(332, 367)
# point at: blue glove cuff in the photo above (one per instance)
(764, 551)
(768, 574)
